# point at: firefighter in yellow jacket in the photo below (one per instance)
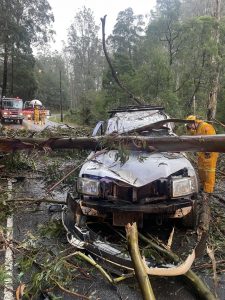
(42, 115)
(206, 160)
(36, 114)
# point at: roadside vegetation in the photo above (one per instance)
(172, 57)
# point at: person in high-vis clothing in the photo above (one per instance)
(36, 114)
(206, 160)
(42, 115)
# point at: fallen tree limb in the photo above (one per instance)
(209, 143)
(91, 261)
(190, 276)
(140, 272)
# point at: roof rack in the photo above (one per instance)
(129, 108)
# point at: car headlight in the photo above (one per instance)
(5, 113)
(182, 187)
(20, 114)
(88, 186)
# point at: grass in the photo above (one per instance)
(67, 118)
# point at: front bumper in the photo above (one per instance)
(13, 117)
(165, 207)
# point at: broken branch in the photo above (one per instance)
(137, 100)
(190, 276)
(140, 272)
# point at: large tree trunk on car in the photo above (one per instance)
(210, 143)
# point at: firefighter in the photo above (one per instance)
(206, 160)
(42, 115)
(36, 114)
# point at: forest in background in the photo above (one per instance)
(175, 57)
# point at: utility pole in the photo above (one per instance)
(12, 75)
(60, 92)
(194, 105)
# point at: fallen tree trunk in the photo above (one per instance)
(210, 143)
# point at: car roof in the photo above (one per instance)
(132, 108)
(124, 121)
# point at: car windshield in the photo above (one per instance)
(123, 122)
(12, 103)
(28, 105)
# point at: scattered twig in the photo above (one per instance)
(170, 240)
(211, 255)
(208, 265)
(219, 198)
(218, 122)
(68, 291)
(50, 189)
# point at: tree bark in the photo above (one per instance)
(212, 104)
(210, 143)
(5, 70)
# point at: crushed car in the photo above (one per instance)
(133, 187)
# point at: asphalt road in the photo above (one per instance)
(29, 125)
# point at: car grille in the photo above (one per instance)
(153, 192)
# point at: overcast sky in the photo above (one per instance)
(65, 10)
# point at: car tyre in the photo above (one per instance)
(191, 220)
(21, 122)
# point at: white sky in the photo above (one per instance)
(65, 10)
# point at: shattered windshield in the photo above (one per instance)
(123, 122)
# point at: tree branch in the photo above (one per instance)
(137, 100)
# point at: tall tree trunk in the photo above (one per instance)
(5, 70)
(212, 103)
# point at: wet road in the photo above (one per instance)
(29, 125)
(26, 221)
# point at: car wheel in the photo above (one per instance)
(191, 220)
(21, 122)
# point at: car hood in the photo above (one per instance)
(140, 169)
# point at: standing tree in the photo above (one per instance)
(47, 74)
(22, 24)
(212, 105)
(85, 56)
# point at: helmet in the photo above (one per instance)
(191, 118)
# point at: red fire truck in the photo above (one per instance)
(11, 110)
(28, 109)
